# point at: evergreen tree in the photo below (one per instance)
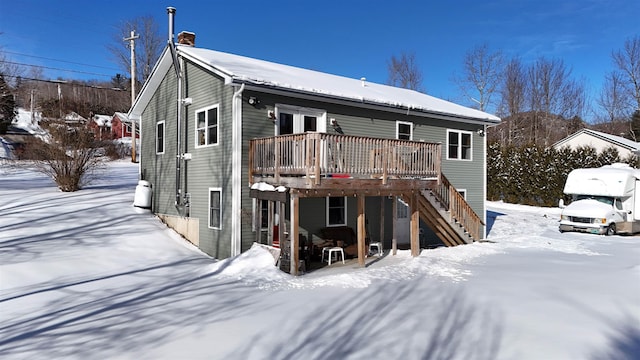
(7, 106)
(635, 125)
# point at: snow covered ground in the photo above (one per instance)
(86, 275)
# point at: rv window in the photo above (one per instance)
(618, 204)
(603, 199)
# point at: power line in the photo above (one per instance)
(64, 61)
(53, 68)
(64, 82)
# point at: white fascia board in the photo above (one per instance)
(151, 85)
(227, 77)
(364, 104)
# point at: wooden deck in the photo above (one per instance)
(313, 160)
(321, 165)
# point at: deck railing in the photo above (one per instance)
(458, 207)
(318, 155)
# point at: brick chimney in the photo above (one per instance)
(187, 38)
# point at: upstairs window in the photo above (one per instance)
(458, 145)
(404, 130)
(160, 137)
(207, 126)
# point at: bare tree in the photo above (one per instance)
(613, 102)
(67, 155)
(512, 102)
(9, 69)
(148, 46)
(403, 72)
(628, 62)
(552, 93)
(482, 75)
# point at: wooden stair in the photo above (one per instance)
(450, 217)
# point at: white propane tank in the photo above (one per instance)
(142, 197)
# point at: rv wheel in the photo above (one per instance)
(611, 230)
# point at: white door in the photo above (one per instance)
(404, 131)
(636, 201)
(403, 222)
(296, 120)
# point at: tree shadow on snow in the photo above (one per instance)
(393, 320)
(101, 318)
(32, 230)
(623, 342)
(623, 329)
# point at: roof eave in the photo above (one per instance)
(151, 84)
(270, 88)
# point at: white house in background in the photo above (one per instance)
(74, 118)
(599, 141)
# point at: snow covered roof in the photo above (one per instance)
(616, 140)
(263, 73)
(25, 121)
(124, 118)
(73, 117)
(102, 120)
(609, 180)
(268, 75)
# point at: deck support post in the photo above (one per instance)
(258, 220)
(293, 235)
(394, 240)
(382, 219)
(415, 225)
(270, 222)
(281, 223)
(361, 230)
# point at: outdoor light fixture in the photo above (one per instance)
(480, 132)
(271, 115)
(253, 101)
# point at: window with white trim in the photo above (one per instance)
(215, 208)
(160, 137)
(463, 193)
(207, 130)
(336, 211)
(459, 145)
(404, 130)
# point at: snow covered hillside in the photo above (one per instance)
(86, 275)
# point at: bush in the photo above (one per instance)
(534, 175)
(68, 155)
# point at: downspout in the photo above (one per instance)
(484, 181)
(178, 69)
(236, 172)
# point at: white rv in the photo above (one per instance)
(605, 200)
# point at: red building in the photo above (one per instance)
(121, 126)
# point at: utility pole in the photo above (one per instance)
(132, 45)
(33, 116)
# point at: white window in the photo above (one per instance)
(207, 130)
(458, 145)
(215, 208)
(295, 120)
(463, 193)
(160, 137)
(336, 211)
(404, 130)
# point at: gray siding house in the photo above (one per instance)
(239, 150)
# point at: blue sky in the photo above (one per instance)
(349, 38)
